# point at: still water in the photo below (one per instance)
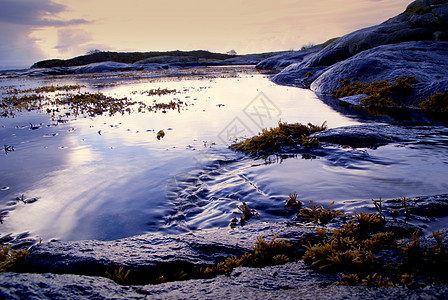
(109, 177)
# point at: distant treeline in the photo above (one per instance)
(125, 57)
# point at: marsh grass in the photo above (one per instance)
(284, 134)
(380, 93)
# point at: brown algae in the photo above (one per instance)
(283, 135)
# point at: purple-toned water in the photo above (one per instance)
(109, 177)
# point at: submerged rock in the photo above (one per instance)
(374, 135)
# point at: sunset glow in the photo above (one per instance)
(43, 29)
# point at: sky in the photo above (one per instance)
(33, 30)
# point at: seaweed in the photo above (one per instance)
(319, 214)
(160, 134)
(361, 252)
(380, 93)
(246, 212)
(436, 102)
(292, 202)
(119, 275)
(284, 134)
(12, 260)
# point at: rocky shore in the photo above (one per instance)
(412, 44)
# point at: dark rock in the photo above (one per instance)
(426, 206)
(359, 136)
(289, 281)
(52, 286)
(374, 135)
(278, 62)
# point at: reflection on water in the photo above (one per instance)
(110, 177)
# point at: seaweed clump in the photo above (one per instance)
(366, 251)
(380, 93)
(96, 104)
(436, 102)
(319, 214)
(263, 254)
(246, 214)
(284, 134)
(12, 260)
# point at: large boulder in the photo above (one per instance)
(279, 62)
(424, 60)
(410, 44)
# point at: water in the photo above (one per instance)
(109, 177)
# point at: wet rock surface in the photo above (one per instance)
(426, 61)
(279, 62)
(53, 286)
(374, 135)
(410, 44)
(289, 281)
(76, 270)
(151, 253)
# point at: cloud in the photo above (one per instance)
(70, 38)
(20, 21)
(35, 13)
(17, 48)
(73, 41)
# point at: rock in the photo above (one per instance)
(410, 44)
(148, 254)
(52, 286)
(408, 26)
(424, 60)
(425, 206)
(374, 135)
(290, 281)
(278, 62)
